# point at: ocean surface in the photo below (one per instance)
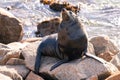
(101, 17)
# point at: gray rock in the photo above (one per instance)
(104, 47)
(91, 49)
(78, 69)
(10, 27)
(48, 27)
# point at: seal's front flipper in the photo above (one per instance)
(59, 63)
(38, 61)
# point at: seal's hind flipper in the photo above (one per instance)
(96, 58)
(58, 64)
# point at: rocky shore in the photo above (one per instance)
(17, 57)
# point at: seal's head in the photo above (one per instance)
(68, 15)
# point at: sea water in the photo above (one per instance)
(101, 17)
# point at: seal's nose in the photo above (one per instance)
(63, 9)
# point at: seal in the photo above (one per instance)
(72, 39)
(68, 44)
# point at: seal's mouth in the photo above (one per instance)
(67, 15)
(64, 10)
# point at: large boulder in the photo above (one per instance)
(104, 47)
(78, 69)
(58, 6)
(74, 70)
(10, 27)
(48, 27)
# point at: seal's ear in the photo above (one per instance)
(72, 14)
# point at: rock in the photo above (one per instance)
(91, 48)
(4, 77)
(57, 6)
(104, 47)
(14, 72)
(30, 40)
(32, 76)
(115, 76)
(11, 50)
(116, 60)
(94, 77)
(17, 45)
(3, 46)
(10, 72)
(10, 27)
(48, 27)
(76, 70)
(29, 53)
(106, 55)
(8, 55)
(3, 51)
(47, 2)
(15, 61)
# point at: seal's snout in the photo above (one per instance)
(63, 10)
(65, 14)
